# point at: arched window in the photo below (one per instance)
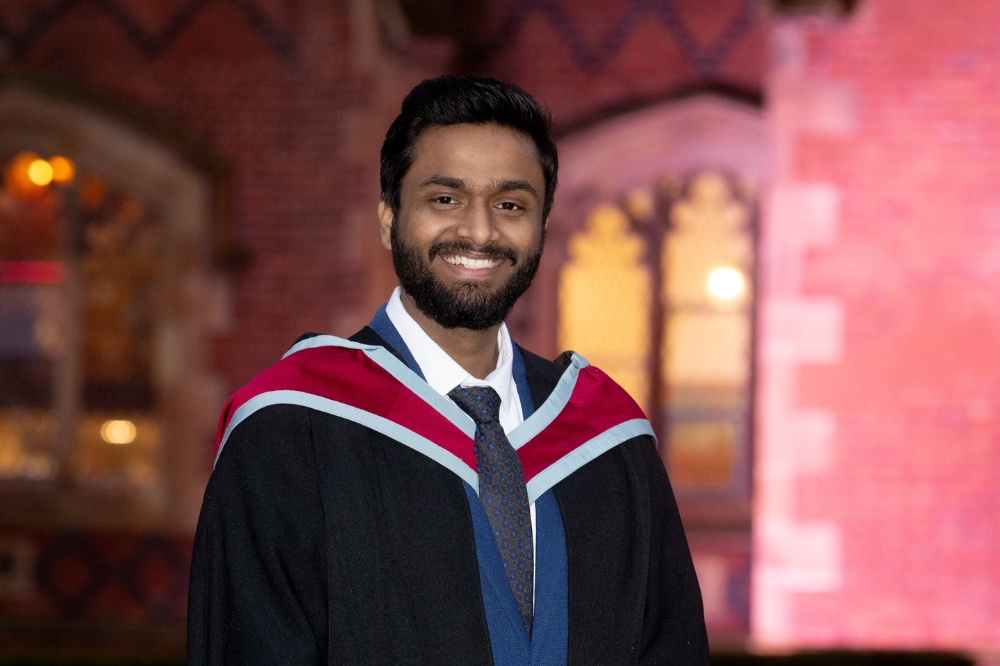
(80, 264)
(707, 360)
(650, 273)
(659, 294)
(107, 295)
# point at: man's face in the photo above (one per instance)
(469, 233)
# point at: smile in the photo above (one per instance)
(466, 262)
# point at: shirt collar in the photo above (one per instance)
(440, 370)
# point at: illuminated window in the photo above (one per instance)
(707, 263)
(79, 270)
(695, 384)
(604, 293)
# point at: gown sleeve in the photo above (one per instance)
(258, 574)
(674, 623)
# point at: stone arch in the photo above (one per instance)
(602, 162)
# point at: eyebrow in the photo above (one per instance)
(446, 181)
(513, 186)
(502, 185)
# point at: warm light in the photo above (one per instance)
(118, 432)
(40, 172)
(726, 282)
(62, 169)
(17, 179)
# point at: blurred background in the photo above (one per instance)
(777, 225)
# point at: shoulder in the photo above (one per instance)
(263, 454)
(318, 372)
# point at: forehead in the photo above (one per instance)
(477, 153)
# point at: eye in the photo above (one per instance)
(509, 205)
(444, 199)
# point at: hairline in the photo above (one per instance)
(498, 184)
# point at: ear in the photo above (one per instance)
(385, 220)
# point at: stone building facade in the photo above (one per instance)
(830, 424)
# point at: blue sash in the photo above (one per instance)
(511, 645)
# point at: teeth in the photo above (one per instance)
(471, 263)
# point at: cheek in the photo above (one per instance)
(419, 228)
(528, 240)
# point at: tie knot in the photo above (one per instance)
(482, 403)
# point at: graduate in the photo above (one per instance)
(426, 491)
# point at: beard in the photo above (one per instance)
(469, 304)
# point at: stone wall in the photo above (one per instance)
(877, 450)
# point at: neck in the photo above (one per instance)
(476, 351)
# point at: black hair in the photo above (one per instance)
(457, 100)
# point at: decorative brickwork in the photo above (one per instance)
(129, 592)
(151, 43)
(705, 57)
(591, 59)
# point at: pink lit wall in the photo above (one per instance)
(877, 506)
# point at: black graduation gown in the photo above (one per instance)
(321, 541)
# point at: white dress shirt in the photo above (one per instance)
(443, 373)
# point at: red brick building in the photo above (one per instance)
(828, 415)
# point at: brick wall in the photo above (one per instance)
(293, 97)
(878, 453)
(296, 97)
(588, 58)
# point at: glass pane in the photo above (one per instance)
(118, 436)
(604, 300)
(707, 257)
(119, 269)
(30, 321)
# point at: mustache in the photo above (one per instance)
(491, 250)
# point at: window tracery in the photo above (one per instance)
(695, 382)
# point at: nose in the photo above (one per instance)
(477, 224)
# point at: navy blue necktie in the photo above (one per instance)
(502, 492)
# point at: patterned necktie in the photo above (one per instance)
(502, 492)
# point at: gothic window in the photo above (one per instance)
(79, 265)
(695, 381)
(108, 298)
(706, 268)
(651, 269)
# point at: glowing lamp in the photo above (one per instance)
(62, 169)
(17, 176)
(118, 432)
(726, 283)
(40, 172)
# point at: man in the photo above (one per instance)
(427, 492)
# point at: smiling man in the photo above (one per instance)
(427, 492)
